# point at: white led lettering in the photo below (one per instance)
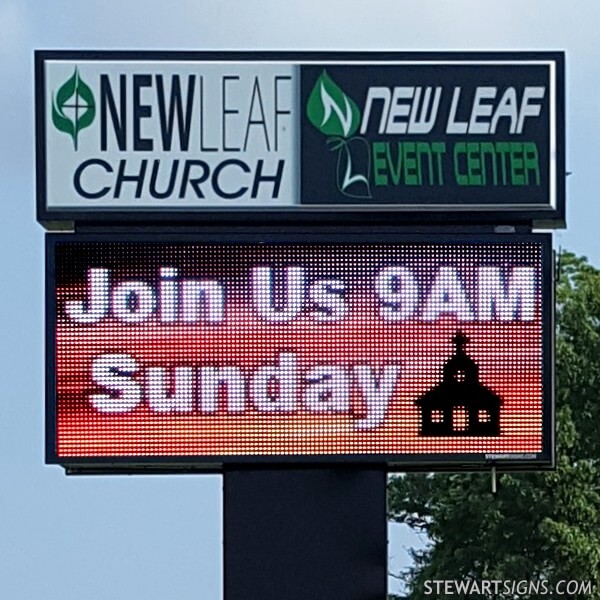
(398, 293)
(203, 299)
(327, 295)
(278, 302)
(447, 297)
(327, 390)
(213, 380)
(180, 399)
(96, 307)
(376, 393)
(506, 300)
(274, 388)
(114, 373)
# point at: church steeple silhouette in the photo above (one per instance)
(460, 367)
(460, 405)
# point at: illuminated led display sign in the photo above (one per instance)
(192, 352)
(174, 136)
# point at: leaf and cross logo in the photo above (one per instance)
(73, 107)
(336, 115)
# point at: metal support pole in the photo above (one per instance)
(305, 534)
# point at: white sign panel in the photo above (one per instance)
(165, 134)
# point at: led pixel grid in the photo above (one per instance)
(215, 352)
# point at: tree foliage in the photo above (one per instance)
(540, 526)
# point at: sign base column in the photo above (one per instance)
(305, 534)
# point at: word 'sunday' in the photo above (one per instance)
(281, 388)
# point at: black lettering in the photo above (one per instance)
(217, 172)
(109, 106)
(227, 111)
(260, 178)
(79, 172)
(137, 178)
(140, 111)
(202, 146)
(194, 182)
(154, 177)
(167, 122)
(261, 120)
(279, 111)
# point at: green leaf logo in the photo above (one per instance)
(330, 110)
(73, 107)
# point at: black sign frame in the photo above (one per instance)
(398, 462)
(544, 215)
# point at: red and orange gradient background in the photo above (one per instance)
(509, 354)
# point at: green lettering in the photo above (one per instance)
(487, 150)
(395, 171)
(424, 151)
(379, 163)
(517, 172)
(459, 149)
(412, 175)
(532, 161)
(439, 149)
(474, 164)
(502, 150)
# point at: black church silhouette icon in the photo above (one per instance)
(460, 405)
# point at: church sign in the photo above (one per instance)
(413, 137)
(193, 352)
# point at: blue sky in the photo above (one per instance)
(117, 538)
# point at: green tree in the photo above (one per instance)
(540, 526)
